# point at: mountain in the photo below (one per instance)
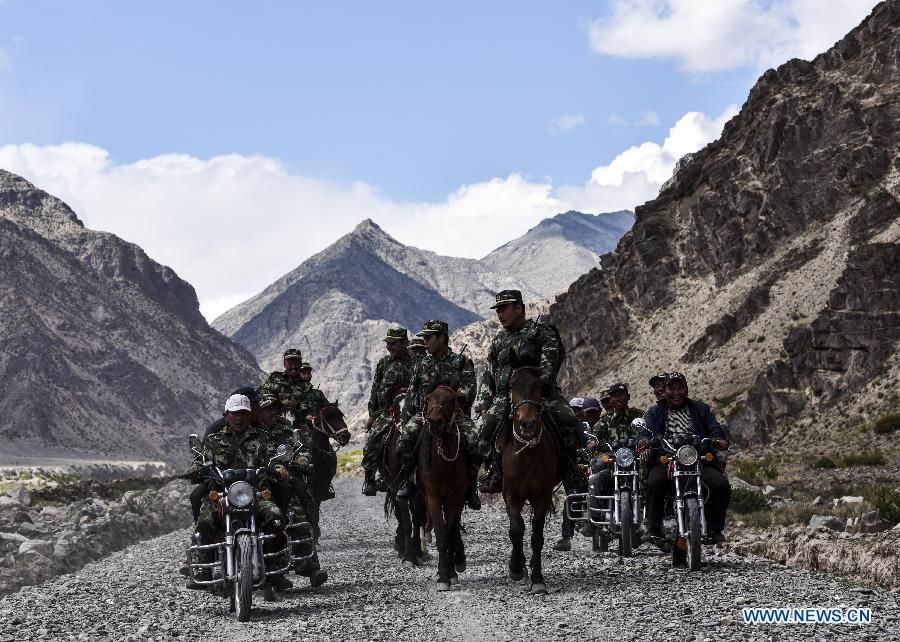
(337, 304)
(766, 269)
(103, 352)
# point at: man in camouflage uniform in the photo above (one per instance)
(289, 386)
(306, 371)
(417, 348)
(237, 446)
(528, 340)
(441, 366)
(392, 374)
(616, 424)
(292, 494)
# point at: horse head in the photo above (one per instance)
(332, 420)
(525, 394)
(440, 406)
(396, 407)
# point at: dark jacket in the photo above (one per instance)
(705, 423)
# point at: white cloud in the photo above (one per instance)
(565, 123)
(645, 119)
(719, 35)
(617, 121)
(233, 224)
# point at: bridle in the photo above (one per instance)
(516, 426)
(439, 436)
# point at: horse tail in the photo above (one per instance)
(390, 504)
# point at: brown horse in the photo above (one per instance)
(530, 472)
(410, 513)
(444, 480)
(328, 425)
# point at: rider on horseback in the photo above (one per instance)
(391, 374)
(441, 366)
(523, 340)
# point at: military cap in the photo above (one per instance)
(616, 387)
(293, 353)
(305, 365)
(659, 376)
(590, 404)
(435, 327)
(505, 297)
(675, 376)
(268, 400)
(417, 342)
(236, 403)
(604, 395)
(395, 334)
(250, 392)
(576, 402)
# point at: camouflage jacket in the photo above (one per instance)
(309, 403)
(449, 368)
(390, 375)
(289, 390)
(250, 449)
(281, 433)
(536, 342)
(616, 424)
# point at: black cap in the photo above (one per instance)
(675, 376)
(434, 326)
(616, 387)
(269, 400)
(659, 376)
(293, 353)
(396, 334)
(505, 297)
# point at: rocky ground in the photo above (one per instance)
(138, 594)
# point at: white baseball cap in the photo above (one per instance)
(577, 402)
(237, 402)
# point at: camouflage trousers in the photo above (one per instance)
(302, 508)
(554, 404)
(409, 435)
(372, 449)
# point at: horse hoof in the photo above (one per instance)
(454, 581)
(538, 589)
(460, 567)
(407, 564)
(420, 561)
(515, 576)
(437, 578)
(443, 586)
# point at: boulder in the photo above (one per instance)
(818, 501)
(20, 494)
(36, 547)
(12, 537)
(871, 522)
(826, 521)
(737, 482)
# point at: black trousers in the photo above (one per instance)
(715, 506)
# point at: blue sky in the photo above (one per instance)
(308, 117)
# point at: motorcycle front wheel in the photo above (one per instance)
(694, 533)
(625, 531)
(243, 583)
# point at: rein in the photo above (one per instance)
(526, 443)
(439, 437)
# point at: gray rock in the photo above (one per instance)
(12, 537)
(737, 482)
(36, 546)
(829, 522)
(851, 499)
(20, 494)
(818, 501)
(871, 522)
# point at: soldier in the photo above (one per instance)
(524, 339)
(292, 494)
(392, 373)
(658, 383)
(253, 395)
(417, 348)
(306, 371)
(577, 406)
(441, 366)
(592, 411)
(237, 446)
(605, 401)
(616, 423)
(289, 386)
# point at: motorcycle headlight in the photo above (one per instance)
(686, 455)
(240, 494)
(624, 457)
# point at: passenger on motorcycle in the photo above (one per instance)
(678, 416)
(611, 427)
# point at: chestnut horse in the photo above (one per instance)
(444, 480)
(410, 513)
(530, 472)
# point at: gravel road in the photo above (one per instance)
(138, 594)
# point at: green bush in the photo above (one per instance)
(863, 459)
(746, 501)
(757, 472)
(887, 502)
(886, 424)
(824, 462)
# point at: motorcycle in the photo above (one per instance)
(683, 459)
(240, 563)
(617, 516)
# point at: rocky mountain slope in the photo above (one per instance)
(103, 352)
(767, 268)
(337, 305)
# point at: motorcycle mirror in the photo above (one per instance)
(194, 441)
(638, 424)
(296, 437)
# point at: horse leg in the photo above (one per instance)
(459, 552)
(538, 586)
(442, 535)
(516, 537)
(405, 527)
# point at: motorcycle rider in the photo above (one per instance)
(680, 416)
(288, 385)
(237, 446)
(658, 383)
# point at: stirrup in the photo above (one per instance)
(406, 489)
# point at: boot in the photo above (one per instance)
(369, 487)
(492, 482)
(472, 498)
(564, 544)
(280, 582)
(407, 487)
